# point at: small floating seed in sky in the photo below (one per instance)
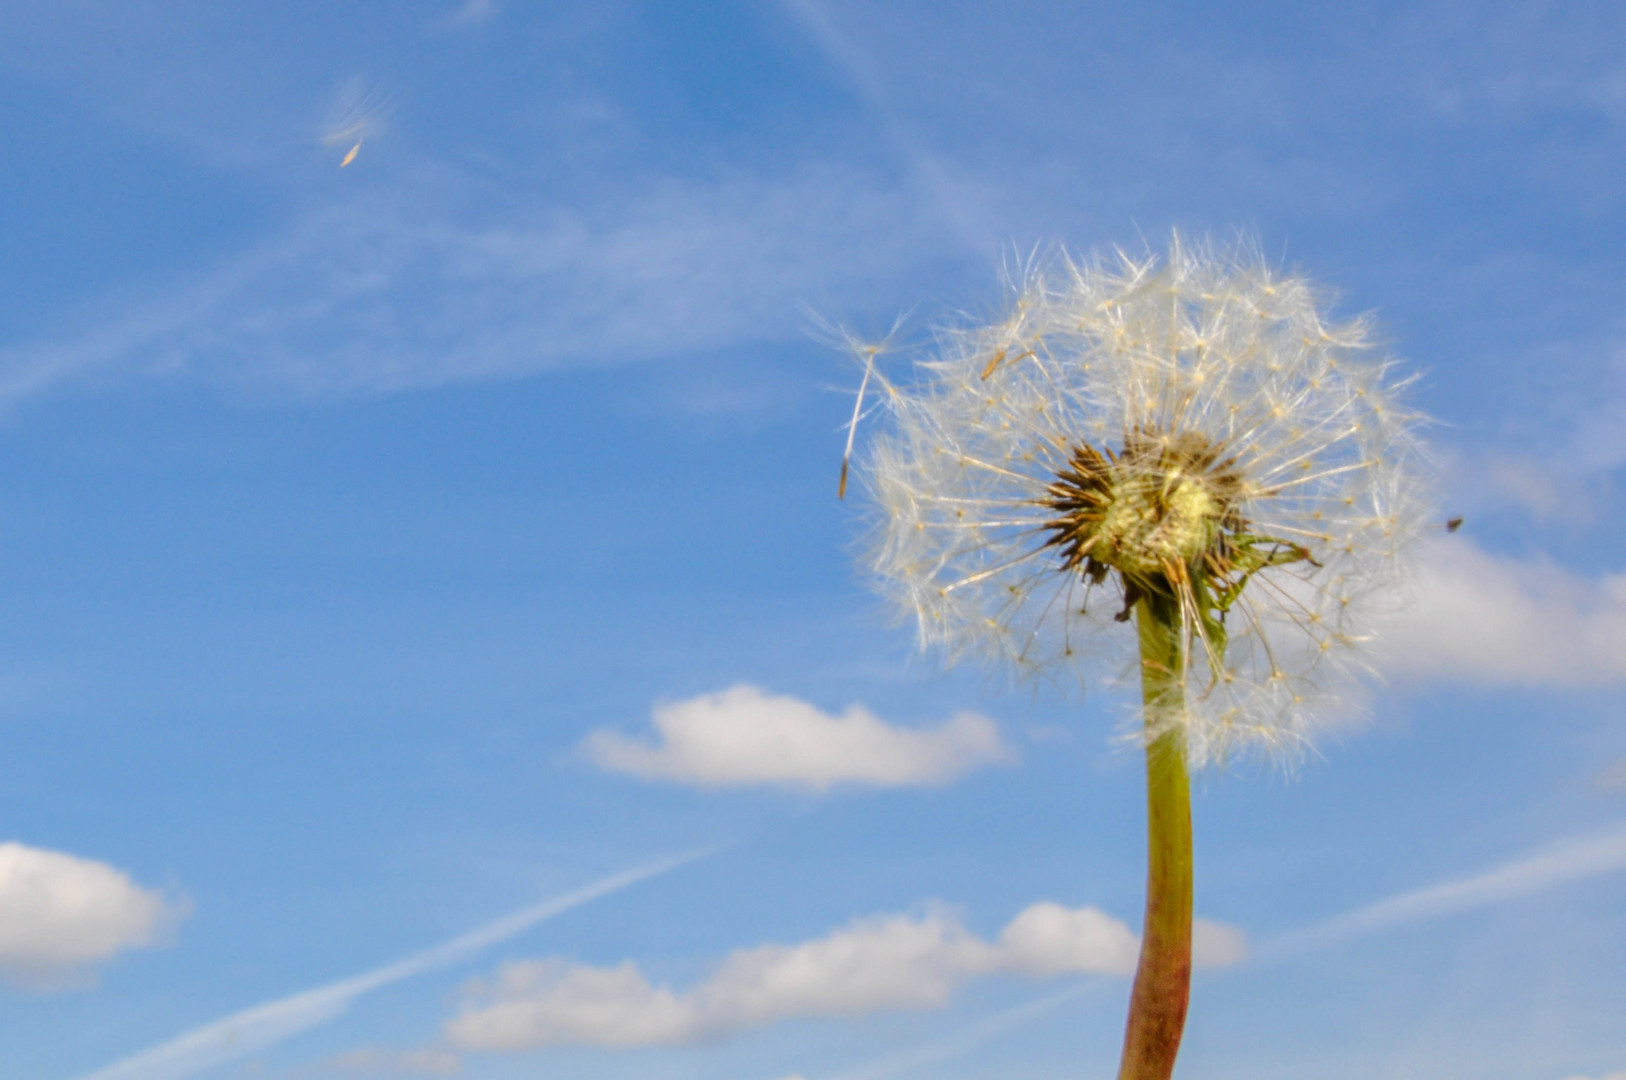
(358, 113)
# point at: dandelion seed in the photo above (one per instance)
(866, 352)
(358, 114)
(1197, 443)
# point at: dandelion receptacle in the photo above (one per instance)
(1172, 472)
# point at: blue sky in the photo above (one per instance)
(349, 514)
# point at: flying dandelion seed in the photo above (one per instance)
(358, 114)
(1190, 445)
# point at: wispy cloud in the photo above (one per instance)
(472, 11)
(1613, 778)
(742, 736)
(1492, 620)
(953, 200)
(1543, 488)
(252, 1030)
(1568, 861)
(1498, 62)
(61, 914)
(409, 287)
(880, 963)
(1600, 432)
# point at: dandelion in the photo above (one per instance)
(1186, 444)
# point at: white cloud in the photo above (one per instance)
(61, 914)
(1491, 620)
(888, 962)
(1215, 944)
(879, 963)
(541, 1003)
(1048, 939)
(743, 736)
(429, 1061)
(1621, 1075)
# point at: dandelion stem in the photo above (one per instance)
(1157, 1005)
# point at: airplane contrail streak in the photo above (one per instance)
(1557, 864)
(262, 1026)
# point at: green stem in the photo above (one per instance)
(1157, 1005)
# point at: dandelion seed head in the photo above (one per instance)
(1192, 427)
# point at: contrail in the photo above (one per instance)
(251, 1030)
(963, 1042)
(1568, 860)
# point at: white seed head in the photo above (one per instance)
(1189, 428)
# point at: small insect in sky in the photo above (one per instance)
(358, 114)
